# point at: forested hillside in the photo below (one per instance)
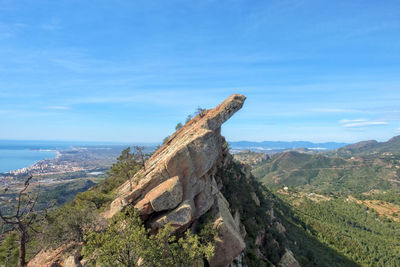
(368, 147)
(330, 174)
(347, 199)
(350, 229)
(188, 204)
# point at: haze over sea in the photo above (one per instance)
(21, 154)
(18, 154)
(13, 159)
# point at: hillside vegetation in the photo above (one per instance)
(351, 229)
(330, 174)
(347, 199)
(368, 147)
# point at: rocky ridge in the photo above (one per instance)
(178, 186)
(191, 177)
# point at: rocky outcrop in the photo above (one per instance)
(229, 243)
(188, 157)
(193, 178)
(288, 260)
(58, 257)
(255, 198)
(178, 186)
(165, 196)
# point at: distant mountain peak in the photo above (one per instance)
(284, 145)
(395, 139)
(371, 146)
(361, 144)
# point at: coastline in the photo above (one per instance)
(30, 167)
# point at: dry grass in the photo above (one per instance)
(297, 197)
(383, 208)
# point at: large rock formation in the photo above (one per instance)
(177, 185)
(182, 165)
(184, 180)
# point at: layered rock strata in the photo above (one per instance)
(182, 165)
(177, 185)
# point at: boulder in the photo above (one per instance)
(255, 198)
(165, 196)
(288, 260)
(72, 261)
(56, 257)
(181, 216)
(229, 242)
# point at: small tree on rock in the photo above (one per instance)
(125, 167)
(201, 112)
(141, 156)
(188, 118)
(178, 126)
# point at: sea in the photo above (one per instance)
(18, 154)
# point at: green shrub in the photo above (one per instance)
(9, 250)
(126, 242)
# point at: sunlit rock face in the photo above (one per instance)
(178, 185)
(188, 156)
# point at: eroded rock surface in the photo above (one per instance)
(178, 186)
(62, 256)
(229, 243)
(288, 260)
(179, 180)
(188, 158)
(165, 196)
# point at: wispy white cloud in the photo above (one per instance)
(344, 121)
(50, 26)
(336, 110)
(83, 64)
(57, 107)
(154, 97)
(361, 123)
(8, 30)
(5, 111)
(24, 113)
(364, 124)
(20, 25)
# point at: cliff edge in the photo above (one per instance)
(177, 184)
(190, 179)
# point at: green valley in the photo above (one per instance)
(347, 199)
(330, 174)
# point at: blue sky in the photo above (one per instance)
(131, 70)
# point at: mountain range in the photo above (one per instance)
(284, 145)
(368, 147)
(295, 208)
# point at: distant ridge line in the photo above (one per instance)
(286, 145)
